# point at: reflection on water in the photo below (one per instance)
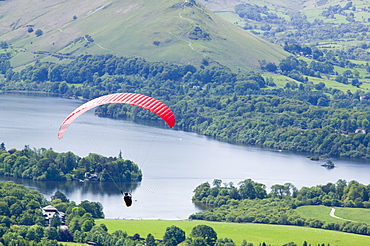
(70, 187)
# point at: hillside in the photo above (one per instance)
(183, 32)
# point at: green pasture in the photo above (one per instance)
(361, 215)
(331, 83)
(281, 80)
(254, 233)
(318, 212)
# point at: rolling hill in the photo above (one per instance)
(183, 32)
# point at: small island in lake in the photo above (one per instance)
(329, 164)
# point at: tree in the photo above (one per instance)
(51, 233)
(217, 183)
(150, 241)
(78, 211)
(87, 225)
(199, 242)
(4, 209)
(206, 232)
(173, 236)
(39, 32)
(65, 235)
(74, 225)
(63, 87)
(60, 195)
(271, 67)
(55, 221)
(225, 242)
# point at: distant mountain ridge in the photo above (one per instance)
(183, 32)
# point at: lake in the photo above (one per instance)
(173, 162)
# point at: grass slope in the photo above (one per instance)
(361, 215)
(155, 30)
(255, 233)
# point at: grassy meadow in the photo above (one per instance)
(361, 215)
(281, 80)
(254, 233)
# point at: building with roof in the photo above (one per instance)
(49, 212)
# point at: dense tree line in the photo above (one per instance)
(46, 164)
(250, 202)
(339, 194)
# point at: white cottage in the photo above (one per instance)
(49, 211)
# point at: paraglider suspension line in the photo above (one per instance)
(115, 183)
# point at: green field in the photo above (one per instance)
(361, 215)
(281, 80)
(254, 233)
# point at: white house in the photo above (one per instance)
(49, 211)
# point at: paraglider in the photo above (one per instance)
(127, 198)
(139, 100)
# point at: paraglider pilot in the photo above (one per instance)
(127, 198)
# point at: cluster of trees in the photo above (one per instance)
(339, 194)
(331, 11)
(46, 164)
(257, 13)
(22, 221)
(235, 107)
(251, 203)
(295, 68)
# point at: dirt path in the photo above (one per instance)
(191, 22)
(332, 211)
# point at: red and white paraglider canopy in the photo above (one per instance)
(139, 100)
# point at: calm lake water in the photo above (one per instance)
(173, 162)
